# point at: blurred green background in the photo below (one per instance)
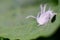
(13, 24)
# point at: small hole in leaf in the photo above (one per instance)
(53, 19)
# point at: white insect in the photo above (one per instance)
(44, 16)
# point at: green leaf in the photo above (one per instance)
(14, 25)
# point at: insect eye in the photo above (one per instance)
(53, 19)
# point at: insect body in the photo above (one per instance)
(44, 16)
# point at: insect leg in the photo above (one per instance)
(31, 16)
(41, 8)
(44, 8)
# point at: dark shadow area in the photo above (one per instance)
(47, 1)
(53, 19)
(17, 39)
(55, 36)
(6, 39)
(55, 1)
(2, 38)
